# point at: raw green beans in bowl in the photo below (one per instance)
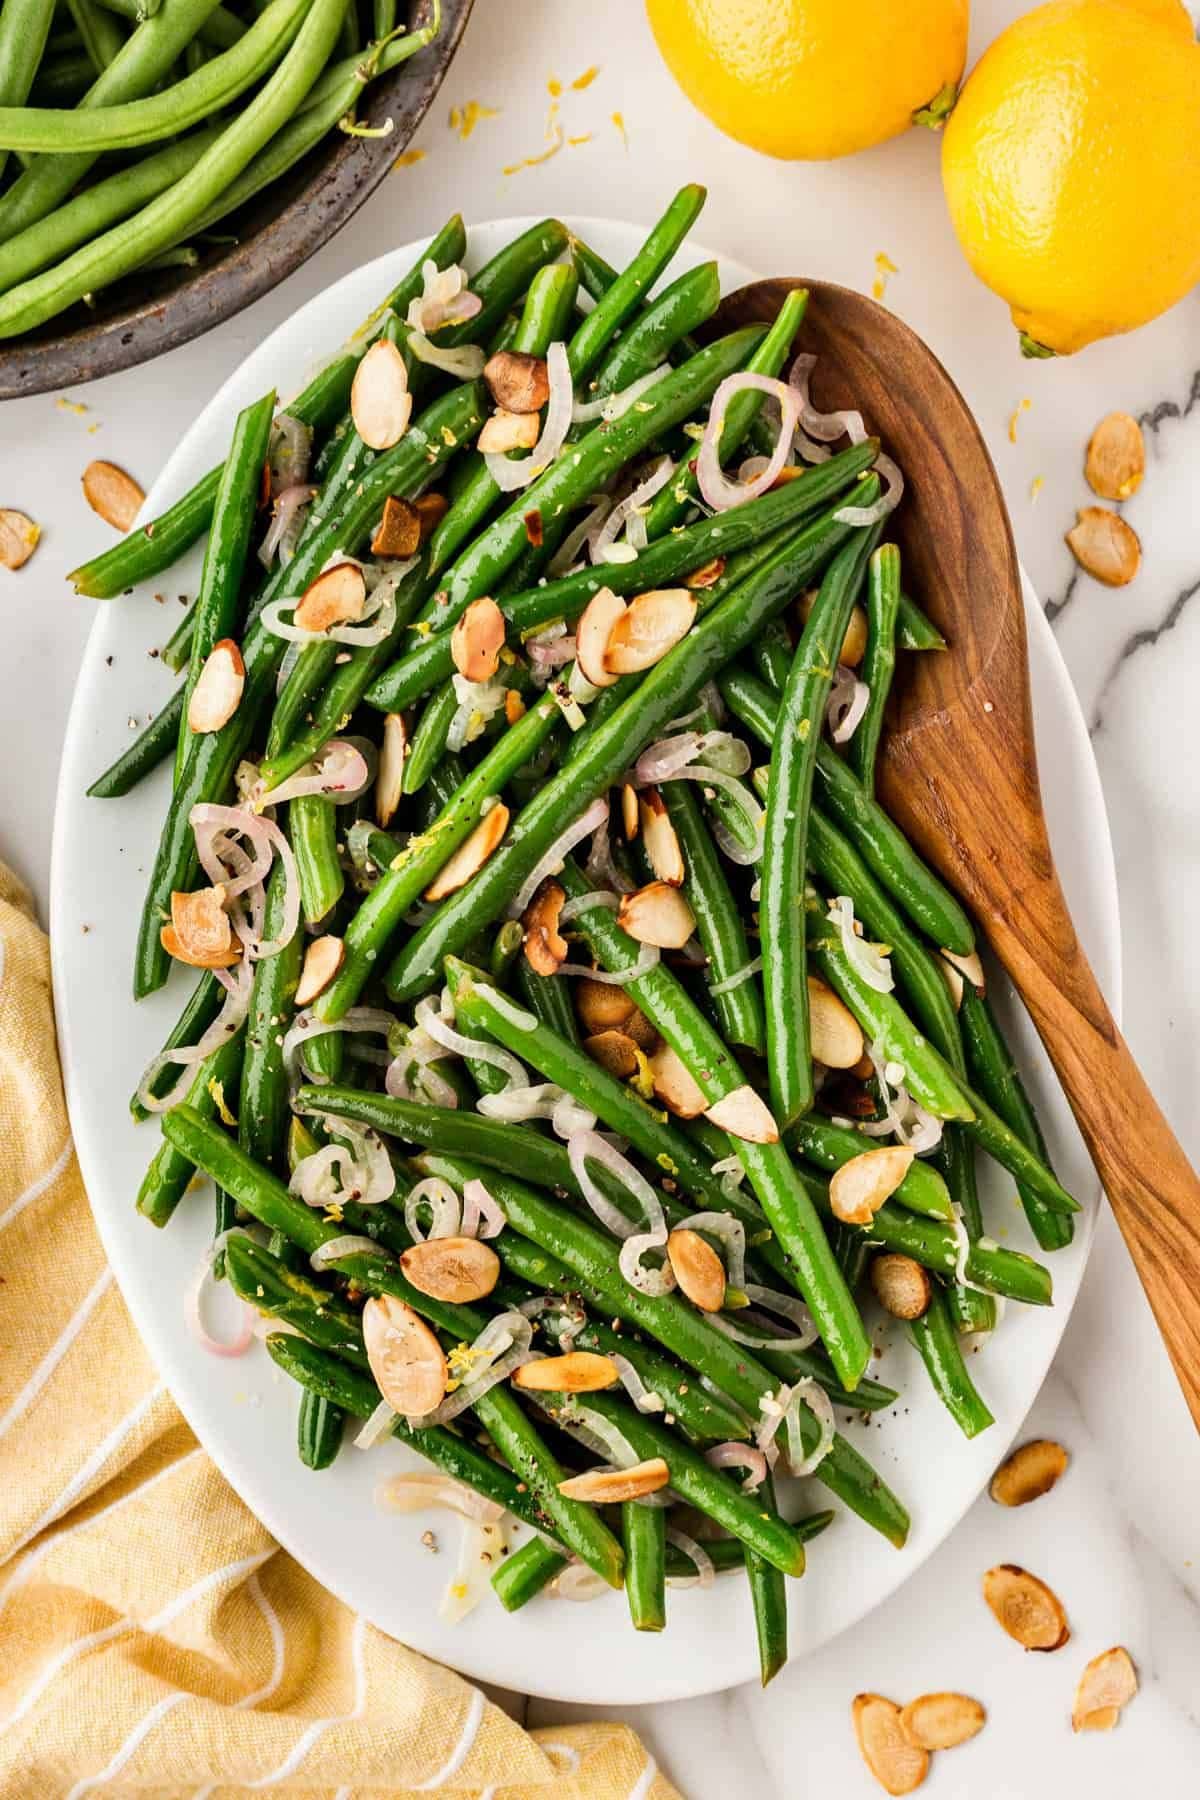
(591, 1078)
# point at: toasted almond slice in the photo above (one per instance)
(597, 622)
(863, 1069)
(1030, 1612)
(18, 537)
(859, 1188)
(674, 1086)
(629, 811)
(969, 966)
(1116, 457)
(698, 1269)
(1105, 546)
(505, 431)
(579, 1372)
(832, 1028)
(405, 1358)
(514, 706)
(431, 509)
(657, 914)
(1031, 1471)
(471, 854)
(854, 644)
(605, 1487)
(544, 947)
(643, 1033)
(602, 1006)
(651, 624)
(398, 532)
(940, 1721)
(336, 597)
(745, 1115)
(390, 779)
(898, 1766)
(380, 401)
(659, 837)
(477, 640)
(902, 1288)
(518, 382)
(953, 980)
(457, 1269)
(1107, 1684)
(614, 1051)
(202, 929)
(218, 690)
(322, 960)
(112, 493)
(706, 575)
(175, 948)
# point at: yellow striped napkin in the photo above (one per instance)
(154, 1639)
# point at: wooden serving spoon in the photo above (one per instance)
(959, 771)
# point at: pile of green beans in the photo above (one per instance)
(442, 1052)
(123, 148)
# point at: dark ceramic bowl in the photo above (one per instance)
(142, 316)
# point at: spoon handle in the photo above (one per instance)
(1152, 1188)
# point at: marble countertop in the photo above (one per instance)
(1118, 1538)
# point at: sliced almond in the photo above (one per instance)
(940, 1721)
(697, 1268)
(579, 1372)
(674, 1085)
(398, 533)
(431, 509)
(1030, 1612)
(657, 914)
(969, 966)
(651, 624)
(1029, 1472)
(833, 1031)
(602, 1006)
(614, 1051)
(380, 401)
(629, 811)
(1107, 1684)
(514, 706)
(506, 431)
(659, 838)
(457, 1269)
(336, 597)
(903, 1288)
(390, 779)
(405, 1358)
(863, 1069)
(18, 537)
(597, 622)
(706, 575)
(477, 640)
(218, 690)
(859, 1188)
(471, 855)
(518, 382)
(1105, 546)
(544, 948)
(112, 493)
(640, 1029)
(201, 931)
(322, 960)
(854, 644)
(604, 1487)
(953, 980)
(1116, 457)
(744, 1114)
(898, 1766)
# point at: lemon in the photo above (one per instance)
(1071, 171)
(813, 78)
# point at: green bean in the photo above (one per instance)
(782, 919)
(202, 1008)
(318, 1430)
(506, 948)
(771, 653)
(100, 34)
(175, 652)
(674, 502)
(937, 1342)
(648, 340)
(622, 298)
(262, 1278)
(150, 748)
(883, 605)
(829, 1146)
(644, 1535)
(769, 1599)
(124, 125)
(996, 1076)
(24, 31)
(61, 81)
(164, 220)
(524, 1573)
(429, 739)
(549, 999)
(605, 750)
(228, 545)
(914, 631)
(738, 1007)
(313, 828)
(263, 1106)
(214, 757)
(166, 1180)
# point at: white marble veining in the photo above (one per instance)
(1119, 1538)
